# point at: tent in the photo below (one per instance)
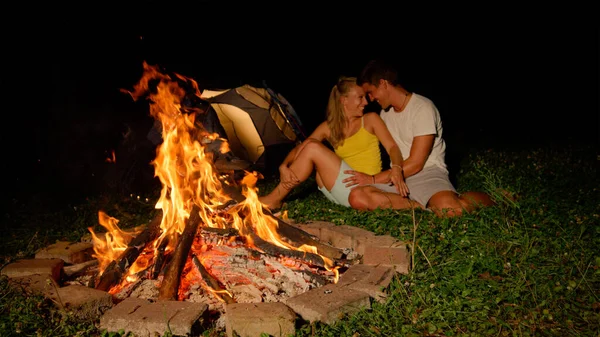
(259, 124)
(257, 121)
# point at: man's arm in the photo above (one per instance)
(419, 152)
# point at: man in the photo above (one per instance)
(415, 123)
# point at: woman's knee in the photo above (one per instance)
(359, 198)
(312, 145)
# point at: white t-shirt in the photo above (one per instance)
(420, 117)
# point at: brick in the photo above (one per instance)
(369, 279)
(71, 253)
(377, 241)
(344, 236)
(398, 257)
(329, 303)
(251, 319)
(315, 228)
(36, 284)
(85, 303)
(144, 318)
(27, 267)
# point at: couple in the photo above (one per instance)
(410, 129)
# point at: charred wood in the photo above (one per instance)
(299, 237)
(170, 283)
(295, 236)
(80, 268)
(113, 273)
(160, 260)
(212, 282)
(225, 232)
(273, 250)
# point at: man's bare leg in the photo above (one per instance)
(472, 200)
(450, 204)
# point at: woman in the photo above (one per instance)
(356, 161)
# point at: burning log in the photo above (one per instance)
(170, 283)
(295, 236)
(212, 282)
(160, 258)
(271, 249)
(299, 237)
(113, 273)
(225, 232)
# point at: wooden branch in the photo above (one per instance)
(170, 284)
(113, 273)
(273, 250)
(212, 282)
(294, 235)
(77, 269)
(160, 259)
(299, 237)
(225, 232)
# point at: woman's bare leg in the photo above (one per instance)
(371, 198)
(313, 155)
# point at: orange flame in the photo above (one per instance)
(114, 242)
(188, 178)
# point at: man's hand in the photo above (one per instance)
(397, 178)
(357, 178)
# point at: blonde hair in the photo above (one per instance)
(336, 118)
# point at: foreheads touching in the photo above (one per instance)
(376, 73)
(377, 70)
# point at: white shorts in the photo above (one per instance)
(339, 193)
(423, 185)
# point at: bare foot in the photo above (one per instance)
(269, 203)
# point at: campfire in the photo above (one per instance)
(213, 241)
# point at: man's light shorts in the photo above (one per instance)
(339, 193)
(423, 185)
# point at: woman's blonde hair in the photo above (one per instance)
(336, 119)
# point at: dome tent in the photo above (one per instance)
(257, 122)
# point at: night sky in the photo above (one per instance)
(496, 86)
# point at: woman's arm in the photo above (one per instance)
(286, 175)
(376, 125)
(320, 133)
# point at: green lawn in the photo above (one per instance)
(529, 268)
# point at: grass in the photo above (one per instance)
(525, 268)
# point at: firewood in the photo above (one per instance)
(160, 258)
(226, 232)
(299, 237)
(212, 282)
(77, 269)
(294, 235)
(170, 284)
(273, 250)
(113, 273)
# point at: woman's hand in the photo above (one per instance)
(397, 178)
(287, 177)
(357, 178)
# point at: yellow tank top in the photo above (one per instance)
(361, 151)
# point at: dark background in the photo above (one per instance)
(497, 85)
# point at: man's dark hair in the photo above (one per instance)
(376, 70)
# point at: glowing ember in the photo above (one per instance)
(189, 182)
